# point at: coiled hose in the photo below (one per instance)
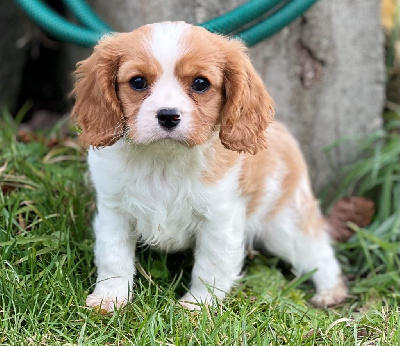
(278, 14)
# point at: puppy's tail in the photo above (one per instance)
(357, 210)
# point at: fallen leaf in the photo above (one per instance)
(357, 210)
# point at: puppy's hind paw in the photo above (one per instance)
(331, 297)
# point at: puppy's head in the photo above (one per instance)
(171, 81)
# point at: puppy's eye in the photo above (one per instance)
(138, 83)
(200, 84)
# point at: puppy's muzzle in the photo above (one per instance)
(168, 118)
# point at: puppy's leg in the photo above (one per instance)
(219, 255)
(114, 257)
(300, 237)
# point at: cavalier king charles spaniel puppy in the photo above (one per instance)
(177, 120)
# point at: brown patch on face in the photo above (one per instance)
(98, 110)
(139, 62)
(237, 99)
(202, 58)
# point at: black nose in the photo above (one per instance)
(168, 118)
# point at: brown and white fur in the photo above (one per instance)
(211, 183)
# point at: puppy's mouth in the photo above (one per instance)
(158, 137)
(173, 138)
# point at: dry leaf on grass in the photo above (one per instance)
(357, 210)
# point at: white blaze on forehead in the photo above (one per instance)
(166, 92)
(165, 44)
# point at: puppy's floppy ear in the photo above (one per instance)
(97, 110)
(248, 108)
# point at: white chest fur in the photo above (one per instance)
(157, 187)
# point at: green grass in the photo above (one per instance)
(47, 267)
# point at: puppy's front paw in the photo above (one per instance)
(331, 297)
(110, 294)
(190, 302)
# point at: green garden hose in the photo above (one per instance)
(57, 26)
(275, 22)
(86, 16)
(283, 13)
(240, 16)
